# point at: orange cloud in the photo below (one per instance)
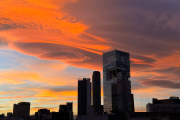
(139, 61)
(4, 93)
(48, 93)
(17, 77)
(28, 14)
(16, 97)
(34, 21)
(56, 99)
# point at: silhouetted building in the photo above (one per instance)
(96, 91)
(62, 115)
(102, 109)
(171, 105)
(148, 116)
(67, 108)
(42, 112)
(91, 116)
(154, 116)
(174, 116)
(116, 83)
(21, 109)
(2, 116)
(9, 114)
(118, 116)
(133, 108)
(84, 95)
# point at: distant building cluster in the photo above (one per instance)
(118, 99)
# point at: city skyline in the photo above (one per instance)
(45, 46)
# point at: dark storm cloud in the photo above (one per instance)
(145, 27)
(144, 64)
(65, 55)
(144, 59)
(142, 28)
(49, 51)
(3, 42)
(85, 36)
(140, 67)
(160, 83)
(77, 57)
(6, 24)
(172, 70)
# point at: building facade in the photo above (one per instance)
(84, 96)
(67, 108)
(92, 116)
(42, 112)
(21, 109)
(96, 91)
(116, 83)
(171, 105)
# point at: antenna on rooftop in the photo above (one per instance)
(148, 99)
(142, 102)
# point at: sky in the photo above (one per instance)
(46, 45)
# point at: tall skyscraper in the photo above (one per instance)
(21, 109)
(96, 90)
(116, 83)
(84, 96)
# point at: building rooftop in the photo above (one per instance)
(171, 100)
(114, 50)
(24, 103)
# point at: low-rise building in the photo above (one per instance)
(21, 109)
(171, 105)
(91, 116)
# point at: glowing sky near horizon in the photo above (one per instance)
(46, 45)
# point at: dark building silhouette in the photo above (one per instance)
(62, 115)
(149, 115)
(96, 91)
(154, 116)
(119, 116)
(92, 116)
(21, 109)
(9, 114)
(67, 108)
(102, 109)
(171, 105)
(2, 116)
(116, 83)
(42, 112)
(84, 96)
(132, 100)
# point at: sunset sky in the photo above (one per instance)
(46, 45)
